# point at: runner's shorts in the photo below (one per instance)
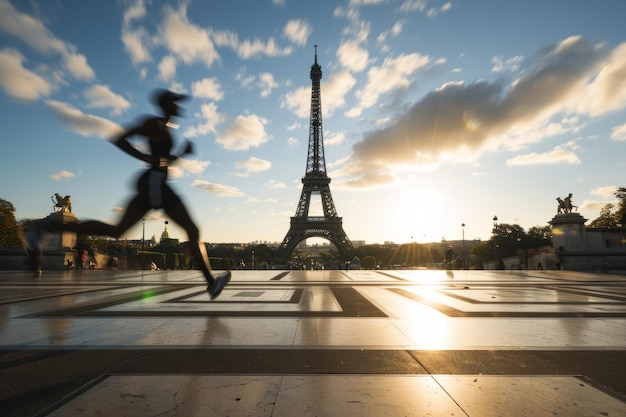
(154, 191)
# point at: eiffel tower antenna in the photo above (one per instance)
(316, 181)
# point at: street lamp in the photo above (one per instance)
(463, 229)
(143, 234)
(495, 247)
(253, 260)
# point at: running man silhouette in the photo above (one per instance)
(153, 192)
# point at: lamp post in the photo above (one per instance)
(253, 260)
(495, 247)
(463, 230)
(143, 234)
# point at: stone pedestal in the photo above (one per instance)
(570, 241)
(568, 232)
(61, 241)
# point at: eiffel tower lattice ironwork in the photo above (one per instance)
(316, 181)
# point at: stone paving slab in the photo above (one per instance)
(408, 342)
(339, 395)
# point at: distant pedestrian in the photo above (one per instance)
(449, 256)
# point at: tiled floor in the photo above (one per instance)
(313, 343)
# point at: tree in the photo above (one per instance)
(611, 215)
(539, 236)
(608, 217)
(511, 239)
(621, 210)
(9, 229)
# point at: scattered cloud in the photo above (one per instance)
(84, 124)
(101, 96)
(217, 189)
(352, 56)
(62, 175)
(607, 191)
(253, 165)
(275, 184)
(18, 81)
(391, 75)
(209, 88)
(185, 40)
(509, 65)
(244, 133)
(559, 155)
(297, 31)
(333, 93)
(458, 121)
(184, 165)
(209, 118)
(39, 38)
(266, 83)
(618, 133)
(167, 68)
(334, 138)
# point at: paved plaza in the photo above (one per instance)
(313, 343)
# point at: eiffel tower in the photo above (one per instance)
(315, 181)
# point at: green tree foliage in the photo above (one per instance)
(621, 210)
(611, 215)
(608, 217)
(9, 229)
(368, 262)
(509, 240)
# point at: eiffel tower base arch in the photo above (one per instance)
(329, 229)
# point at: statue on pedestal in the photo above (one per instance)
(62, 204)
(565, 205)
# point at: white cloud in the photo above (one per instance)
(210, 119)
(253, 165)
(607, 91)
(187, 41)
(562, 154)
(266, 83)
(217, 189)
(352, 56)
(61, 175)
(101, 96)
(333, 93)
(391, 75)
(167, 68)
(193, 166)
(84, 124)
(334, 138)
(19, 82)
(37, 36)
(618, 133)
(136, 44)
(136, 40)
(509, 64)
(459, 122)
(244, 133)
(297, 31)
(275, 184)
(605, 192)
(413, 5)
(207, 88)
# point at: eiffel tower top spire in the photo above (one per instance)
(316, 163)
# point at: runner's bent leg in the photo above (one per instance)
(198, 250)
(134, 212)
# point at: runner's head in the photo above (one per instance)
(166, 100)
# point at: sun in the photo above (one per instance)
(418, 214)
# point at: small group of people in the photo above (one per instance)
(152, 192)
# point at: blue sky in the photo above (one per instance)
(435, 113)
